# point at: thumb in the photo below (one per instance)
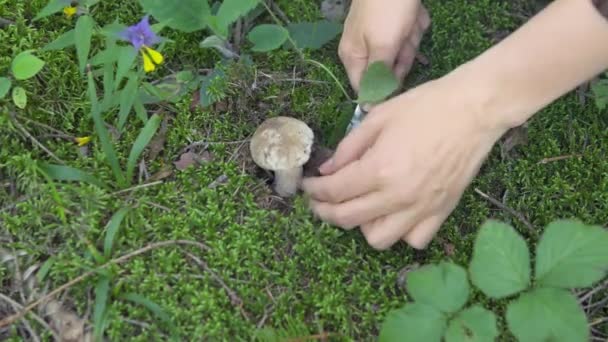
(356, 143)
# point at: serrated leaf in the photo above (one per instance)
(5, 86)
(144, 137)
(500, 265)
(52, 7)
(313, 35)
(25, 65)
(184, 15)
(19, 97)
(112, 229)
(126, 58)
(267, 37)
(102, 291)
(231, 10)
(414, 322)
(83, 33)
(571, 254)
(378, 83)
(547, 314)
(61, 42)
(67, 173)
(444, 286)
(474, 324)
(127, 98)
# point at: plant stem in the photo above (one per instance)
(331, 74)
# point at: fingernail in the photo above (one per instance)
(327, 166)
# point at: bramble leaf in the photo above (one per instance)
(474, 324)
(267, 37)
(377, 84)
(571, 254)
(184, 15)
(25, 65)
(5, 86)
(414, 322)
(444, 286)
(547, 314)
(313, 35)
(500, 265)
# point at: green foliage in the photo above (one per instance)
(267, 37)
(183, 15)
(500, 265)
(102, 292)
(378, 83)
(52, 7)
(19, 97)
(5, 86)
(143, 139)
(541, 312)
(112, 229)
(228, 12)
(63, 41)
(67, 173)
(313, 35)
(25, 65)
(83, 34)
(600, 93)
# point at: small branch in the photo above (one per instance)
(137, 187)
(553, 159)
(500, 205)
(37, 318)
(591, 292)
(36, 142)
(13, 318)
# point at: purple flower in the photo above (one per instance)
(140, 34)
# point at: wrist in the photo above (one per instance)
(537, 64)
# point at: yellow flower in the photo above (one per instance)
(70, 11)
(151, 57)
(82, 141)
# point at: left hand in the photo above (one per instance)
(402, 172)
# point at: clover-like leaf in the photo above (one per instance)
(547, 314)
(19, 97)
(5, 86)
(414, 322)
(25, 65)
(313, 35)
(378, 83)
(500, 265)
(267, 37)
(474, 324)
(571, 254)
(444, 286)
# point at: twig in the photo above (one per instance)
(279, 11)
(598, 321)
(207, 143)
(500, 205)
(6, 22)
(593, 291)
(37, 318)
(552, 159)
(264, 317)
(45, 126)
(137, 187)
(11, 319)
(36, 142)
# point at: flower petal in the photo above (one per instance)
(149, 66)
(156, 56)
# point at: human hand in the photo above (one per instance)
(382, 30)
(403, 171)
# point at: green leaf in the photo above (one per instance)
(378, 82)
(102, 132)
(547, 314)
(204, 99)
(67, 173)
(231, 10)
(52, 7)
(44, 269)
(126, 58)
(5, 86)
(25, 65)
(267, 37)
(215, 42)
(127, 98)
(19, 97)
(184, 15)
(444, 286)
(83, 33)
(158, 311)
(571, 254)
(500, 265)
(113, 30)
(414, 322)
(474, 324)
(313, 35)
(143, 139)
(61, 42)
(140, 110)
(112, 229)
(102, 290)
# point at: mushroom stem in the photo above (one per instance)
(286, 182)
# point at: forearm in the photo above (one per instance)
(557, 50)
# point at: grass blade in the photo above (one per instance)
(154, 308)
(63, 41)
(102, 132)
(141, 142)
(140, 110)
(83, 34)
(112, 229)
(127, 98)
(67, 173)
(52, 7)
(102, 291)
(126, 58)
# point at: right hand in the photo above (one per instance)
(382, 30)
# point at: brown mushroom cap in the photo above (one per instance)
(281, 143)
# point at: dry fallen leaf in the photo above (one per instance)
(192, 159)
(165, 172)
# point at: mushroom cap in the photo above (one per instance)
(281, 143)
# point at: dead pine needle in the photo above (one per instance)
(15, 317)
(500, 205)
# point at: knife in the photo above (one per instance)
(357, 118)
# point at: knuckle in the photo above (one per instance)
(343, 218)
(376, 240)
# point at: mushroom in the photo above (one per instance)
(283, 145)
